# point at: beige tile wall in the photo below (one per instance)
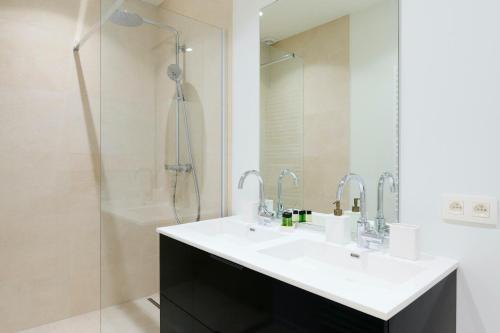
(218, 13)
(325, 52)
(49, 169)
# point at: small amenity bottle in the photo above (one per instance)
(309, 218)
(287, 219)
(302, 216)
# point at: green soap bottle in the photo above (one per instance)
(287, 219)
(302, 216)
(309, 216)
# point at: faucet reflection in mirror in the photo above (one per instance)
(280, 207)
(262, 209)
(380, 223)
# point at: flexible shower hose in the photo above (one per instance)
(187, 133)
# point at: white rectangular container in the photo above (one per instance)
(338, 229)
(404, 241)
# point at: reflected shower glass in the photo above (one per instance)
(282, 127)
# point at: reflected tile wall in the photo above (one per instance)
(325, 52)
(282, 125)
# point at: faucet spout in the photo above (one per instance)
(362, 193)
(280, 204)
(393, 187)
(263, 211)
(366, 234)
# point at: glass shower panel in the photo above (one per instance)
(161, 143)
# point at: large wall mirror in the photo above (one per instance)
(329, 101)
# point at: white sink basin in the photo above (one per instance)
(335, 261)
(235, 232)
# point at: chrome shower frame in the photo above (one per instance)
(284, 57)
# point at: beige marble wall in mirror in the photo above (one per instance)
(329, 99)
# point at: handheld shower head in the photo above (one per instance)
(174, 72)
(126, 18)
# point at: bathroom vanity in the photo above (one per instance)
(226, 275)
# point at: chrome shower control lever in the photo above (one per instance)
(187, 168)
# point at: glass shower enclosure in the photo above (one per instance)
(281, 121)
(161, 147)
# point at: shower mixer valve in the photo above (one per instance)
(187, 168)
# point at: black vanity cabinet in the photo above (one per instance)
(201, 292)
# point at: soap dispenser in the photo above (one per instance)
(354, 216)
(337, 227)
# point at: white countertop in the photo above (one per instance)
(375, 283)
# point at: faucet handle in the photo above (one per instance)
(265, 212)
(355, 208)
(371, 239)
(337, 210)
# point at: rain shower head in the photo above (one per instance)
(126, 18)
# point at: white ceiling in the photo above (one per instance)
(285, 18)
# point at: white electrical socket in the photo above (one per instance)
(481, 209)
(470, 209)
(456, 207)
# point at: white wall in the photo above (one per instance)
(450, 82)
(450, 113)
(246, 101)
(373, 67)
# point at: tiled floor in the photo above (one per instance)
(86, 323)
(139, 316)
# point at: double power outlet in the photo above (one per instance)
(470, 209)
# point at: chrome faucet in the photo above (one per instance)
(263, 211)
(280, 208)
(380, 224)
(366, 234)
